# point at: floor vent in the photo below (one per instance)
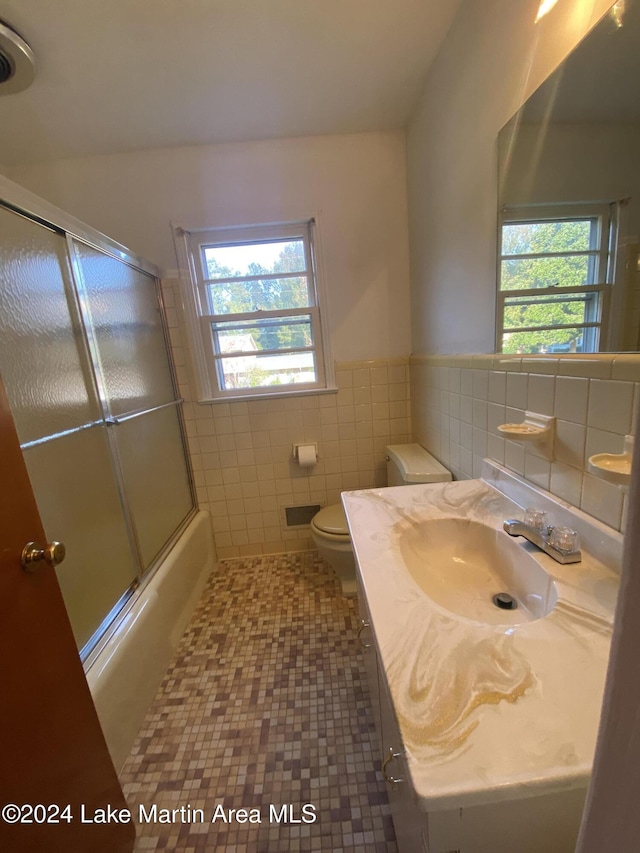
(300, 516)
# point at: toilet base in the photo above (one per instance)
(349, 587)
(343, 563)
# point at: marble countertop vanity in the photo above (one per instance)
(487, 712)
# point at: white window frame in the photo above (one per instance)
(199, 319)
(604, 255)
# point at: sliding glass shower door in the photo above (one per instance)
(84, 358)
(127, 341)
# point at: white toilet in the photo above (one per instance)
(407, 464)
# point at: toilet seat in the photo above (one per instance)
(331, 521)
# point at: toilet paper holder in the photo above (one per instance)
(305, 446)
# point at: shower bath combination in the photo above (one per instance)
(85, 360)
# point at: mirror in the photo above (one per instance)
(569, 201)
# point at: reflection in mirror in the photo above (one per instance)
(569, 199)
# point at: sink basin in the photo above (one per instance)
(461, 564)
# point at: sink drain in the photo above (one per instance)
(504, 601)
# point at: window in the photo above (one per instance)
(256, 325)
(556, 266)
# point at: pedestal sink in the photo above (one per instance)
(462, 564)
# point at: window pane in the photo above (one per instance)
(271, 333)
(519, 274)
(532, 238)
(271, 294)
(522, 312)
(555, 340)
(257, 371)
(254, 259)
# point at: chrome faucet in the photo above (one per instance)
(561, 543)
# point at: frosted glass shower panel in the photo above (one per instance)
(78, 501)
(155, 476)
(122, 310)
(42, 355)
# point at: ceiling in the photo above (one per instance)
(119, 75)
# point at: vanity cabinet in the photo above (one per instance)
(409, 822)
(549, 822)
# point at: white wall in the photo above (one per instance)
(494, 57)
(356, 184)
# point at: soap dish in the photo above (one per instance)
(614, 467)
(536, 428)
(522, 432)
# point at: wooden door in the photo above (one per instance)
(52, 750)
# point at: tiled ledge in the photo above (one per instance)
(624, 366)
(372, 362)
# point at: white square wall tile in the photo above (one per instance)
(570, 443)
(466, 409)
(541, 393)
(466, 462)
(454, 405)
(495, 448)
(480, 384)
(600, 441)
(517, 390)
(572, 395)
(514, 457)
(497, 387)
(466, 382)
(478, 466)
(454, 457)
(610, 405)
(479, 413)
(602, 500)
(466, 436)
(496, 416)
(537, 470)
(514, 416)
(566, 482)
(479, 439)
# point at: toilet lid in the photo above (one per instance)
(332, 519)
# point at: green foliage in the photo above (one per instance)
(526, 274)
(265, 294)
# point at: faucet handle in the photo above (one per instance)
(536, 518)
(565, 540)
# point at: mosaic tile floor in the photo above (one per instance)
(264, 705)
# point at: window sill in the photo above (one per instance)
(241, 398)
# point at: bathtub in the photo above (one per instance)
(126, 674)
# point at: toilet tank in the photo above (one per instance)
(410, 463)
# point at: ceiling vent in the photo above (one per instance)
(17, 68)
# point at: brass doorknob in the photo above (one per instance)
(53, 554)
